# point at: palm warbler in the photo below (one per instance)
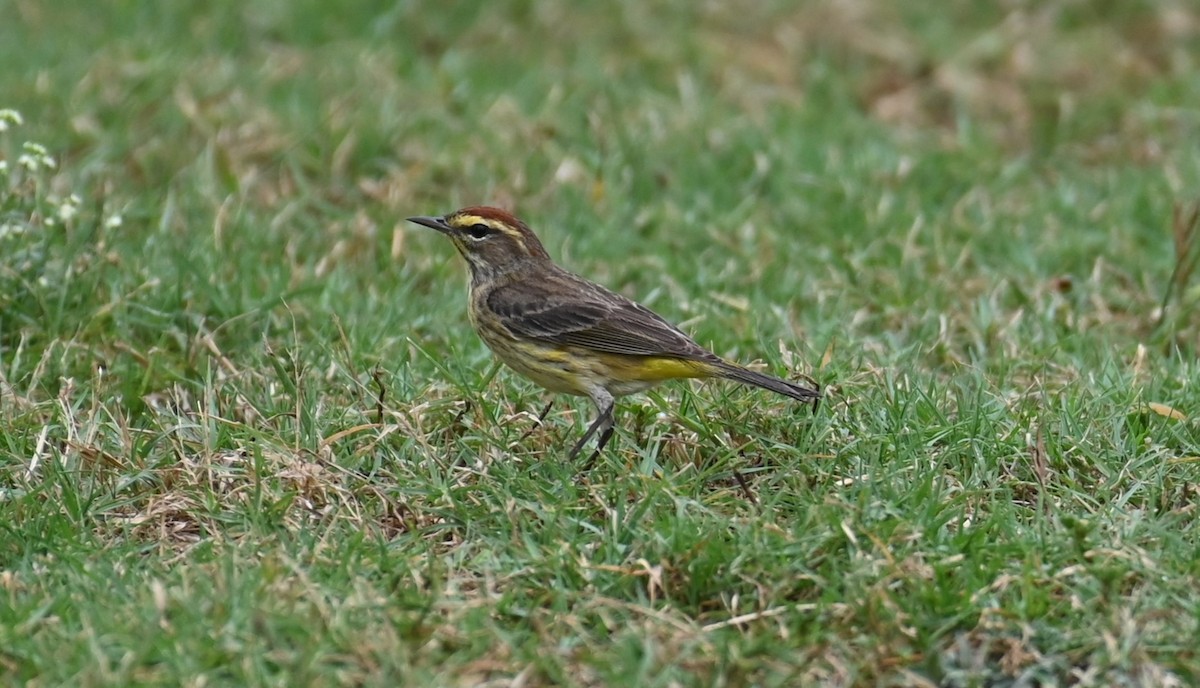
(571, 335)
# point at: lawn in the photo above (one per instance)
(248, 437)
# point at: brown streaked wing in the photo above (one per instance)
(575, 312)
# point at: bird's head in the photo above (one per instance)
(490, 239)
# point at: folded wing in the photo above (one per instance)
(600, 320)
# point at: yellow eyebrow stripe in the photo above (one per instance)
(468, 220)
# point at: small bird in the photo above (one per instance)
(569, 334)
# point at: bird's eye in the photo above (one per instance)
(479, 231)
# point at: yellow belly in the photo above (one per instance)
(572, 370)
(576, 370)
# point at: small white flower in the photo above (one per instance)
(69, 208)
(9, 229)
(35, 157)
(113, 221)
(3, 167)
(10, 118)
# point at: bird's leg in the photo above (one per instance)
(603, 424)
(600, 444)
(542, 416)
(538, 423)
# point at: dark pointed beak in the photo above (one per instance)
(438, 223)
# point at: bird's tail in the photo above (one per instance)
(807, 395)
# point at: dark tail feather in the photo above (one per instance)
(788, 389)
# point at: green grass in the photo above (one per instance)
(959, 220)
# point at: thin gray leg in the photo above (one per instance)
(537, 423)
(603, 424)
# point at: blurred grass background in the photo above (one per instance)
(247, 437)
